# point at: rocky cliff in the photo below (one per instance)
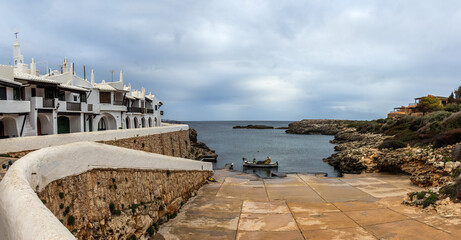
(198, 149)
(361, 152)
(317, 126)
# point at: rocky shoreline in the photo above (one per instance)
(427, 166)
(199, 150)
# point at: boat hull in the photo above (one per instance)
(255, 165)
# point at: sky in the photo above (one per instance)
(251, 60)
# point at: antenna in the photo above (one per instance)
(112, 72)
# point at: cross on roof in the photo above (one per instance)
(16, 33)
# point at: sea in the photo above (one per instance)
(293, 152)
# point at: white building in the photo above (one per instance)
(62, 102)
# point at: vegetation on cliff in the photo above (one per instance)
(440, 128)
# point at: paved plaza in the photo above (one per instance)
(301, 206)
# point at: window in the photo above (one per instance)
(104, 97)
(33, 92)
(75, 98)
(62, 96)
(83, 97)
(16, 94)
(156, 107)
(49, 93)
(2, 93)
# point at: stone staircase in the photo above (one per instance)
(28, 129)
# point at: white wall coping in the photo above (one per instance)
(20, 144)
(23, 215)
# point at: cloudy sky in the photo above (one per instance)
(251, 60)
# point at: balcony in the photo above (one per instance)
(12, 106)
(149, 110)
(135, 109)
(48, 103)
(74, 106)
(117, 102)
(112, 107)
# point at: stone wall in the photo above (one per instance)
(175, 144)
(174, 137)
(115, 204)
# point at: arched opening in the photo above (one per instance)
(102, 125)
(63, 125)
(143, 122)
(155, 122)
(9, 127)
(136, 122)
(150, 122)
(127, 122)
(44, 125)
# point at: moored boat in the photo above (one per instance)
(259, 164)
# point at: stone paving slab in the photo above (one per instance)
(300, 206)
(261, 235)
(344, 233)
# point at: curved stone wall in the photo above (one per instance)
(24, 216)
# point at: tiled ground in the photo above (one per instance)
(242, 206)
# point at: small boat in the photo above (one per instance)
(259, 164)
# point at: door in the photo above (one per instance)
(63, 125)
(2, 130)
(39, 127)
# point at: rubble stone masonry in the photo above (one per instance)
(119, 203)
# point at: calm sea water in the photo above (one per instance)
(295, 153)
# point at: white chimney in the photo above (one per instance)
(121, 76)
(92, 76)
(33, 68)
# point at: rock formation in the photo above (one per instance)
(198, 149)
(359, 152)
(316, 126)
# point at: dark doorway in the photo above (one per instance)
(63, 125)
(39, 127)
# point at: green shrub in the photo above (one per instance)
(66, 211)
(113, 180)
(43, 201)
(132, 237)
(117, 212)
(453, 191)
(61, 195)
(452, 107)
(447, 138)
(111, 207)
(151, 231)
(134, 207)
(430, 200)
(71, 220)
(421, 195)
(61, 206)
(392, 144)
(452, 122)
(168, 172)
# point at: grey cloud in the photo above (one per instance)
(273, 60)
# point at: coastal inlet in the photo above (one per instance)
(295, 153)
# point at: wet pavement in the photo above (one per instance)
(367, 206)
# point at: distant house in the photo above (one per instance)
(62, 102)
(411, 109)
